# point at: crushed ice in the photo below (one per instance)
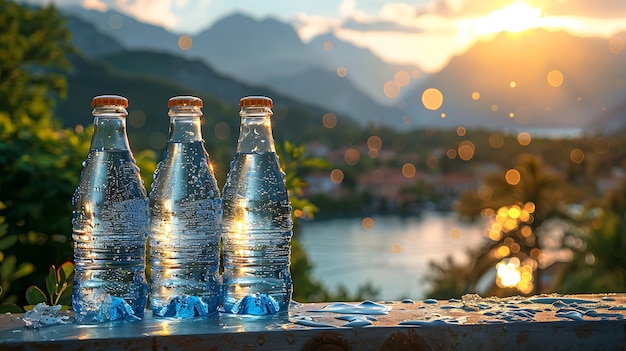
(43, 315)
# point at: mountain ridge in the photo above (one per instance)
(488, 68)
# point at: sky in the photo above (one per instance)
(425, 33)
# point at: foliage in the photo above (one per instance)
(59, 282)
(599, 264)
(9, 270)
(520, 202)
(37, 159)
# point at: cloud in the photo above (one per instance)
(347, 7)
(95, 5)
(309, 26)
(444, 8)
(581, 8)
(378, 26)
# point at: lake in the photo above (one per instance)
(391, 252)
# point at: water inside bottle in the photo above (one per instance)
(109, 232)
(256, 236)
(185, 233)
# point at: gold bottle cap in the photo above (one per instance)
(111, 100)
(184, 101)
(261, 101)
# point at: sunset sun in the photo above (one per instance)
(516, 17)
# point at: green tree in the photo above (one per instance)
(39, 161)
(520, 202)
(599, 263)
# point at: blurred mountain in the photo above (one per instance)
(368, 71)
(90, 40)
(531, 79)
(267, 53)
(500, 83)
(148, 79)
(127, 31)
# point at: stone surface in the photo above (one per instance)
(555, 322)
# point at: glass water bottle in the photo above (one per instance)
(110, 223)
(257, 226)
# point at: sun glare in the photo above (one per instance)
(516, 17)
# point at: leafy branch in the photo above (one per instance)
(59, 284)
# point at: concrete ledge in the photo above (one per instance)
(548, 322)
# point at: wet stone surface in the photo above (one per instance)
(564, 321)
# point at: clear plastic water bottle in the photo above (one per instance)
(257, 227)
(110, 223)
(185, 220)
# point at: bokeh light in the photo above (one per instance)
(475, 96)
(367, 223)
(351, 156)
(555, 78)
(431, 162)
(466, 150)
(577, 155)
(408, 170)
(328, 45)
(222, 130)
(600, 145)
(329, 120)
(342, 72)
(374, 142)
(496, 140)
(524, 138)
(336, 176)
(185, 42)
(432, 98)
(616, 45)
(396, 249)
(451, 153)
(391, 89)
(485, 193)
(461, 131)
(512, 176)
(402, 78)
(455, 233)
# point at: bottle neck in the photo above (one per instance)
(109, 128)
(185, 124)
(255, 133)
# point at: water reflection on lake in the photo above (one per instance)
(393, 253)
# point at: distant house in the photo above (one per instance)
(452, 184)
(386, 184)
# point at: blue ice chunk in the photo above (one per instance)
(43, 315)
(120, 309)
(186, 306)
(257, 305)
